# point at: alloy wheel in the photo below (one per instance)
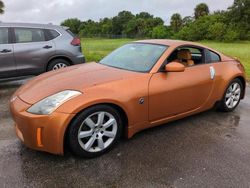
(233, 94)
(59, 66)
(97, 131)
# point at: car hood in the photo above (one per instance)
(77, 77)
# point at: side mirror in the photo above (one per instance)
(174, 67)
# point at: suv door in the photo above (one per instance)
(7, 62)
(174, 93)
(32, 51)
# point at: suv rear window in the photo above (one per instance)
(4, 36)
(24, 35)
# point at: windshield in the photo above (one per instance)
(137, 57)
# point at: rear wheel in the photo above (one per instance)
(57, 64)
(94, 131)
(232, 96)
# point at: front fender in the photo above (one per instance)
(124, 94)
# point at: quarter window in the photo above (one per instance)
(4, 36)
(24, 35)
(52, 34)
(214, 57)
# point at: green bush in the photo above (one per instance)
(161, 32)
(231, 35)
(216, 31)
(198, 30)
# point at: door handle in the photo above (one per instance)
(47, 47)
(212, 72)
(5, 51)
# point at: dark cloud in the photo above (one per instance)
(54, 11)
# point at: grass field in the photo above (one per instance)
(95, 49)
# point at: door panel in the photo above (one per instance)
(31, 51)
(174, 93)
(7, 62)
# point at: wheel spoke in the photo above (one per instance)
(100, 118)
(90, 143)
(84, 134)
(100, 143)
(90, 123)
(230, 88)
(228, 95)
(237, 91)
(109, 134)
(109, 123)
(235, 86)
(231, 104)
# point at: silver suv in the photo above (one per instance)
(31, 49)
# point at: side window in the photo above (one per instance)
(24, 35)
(189, 56)
(4, 35)
(51, 34)
(54, 34)
(214, 57)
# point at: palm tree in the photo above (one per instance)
(176, 22)
(1, 7)
(201, 10)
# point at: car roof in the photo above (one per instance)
(31, 25)
(169, 42)
(177, 43)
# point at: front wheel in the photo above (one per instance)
(94, 131)
(232, 96)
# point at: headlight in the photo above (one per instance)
(51, 103)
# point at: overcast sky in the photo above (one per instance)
(55, 11)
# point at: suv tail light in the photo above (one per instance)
(76, 42)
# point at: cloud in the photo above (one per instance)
(55, 11)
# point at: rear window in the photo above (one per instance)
(24, 35)
(4, 35)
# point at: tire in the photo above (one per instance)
(57, 64)
(233, 95)
(87, 136)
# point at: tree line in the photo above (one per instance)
(125, 24)
(227, 25)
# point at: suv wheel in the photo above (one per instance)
(57, 64)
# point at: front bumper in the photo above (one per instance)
(40, 132)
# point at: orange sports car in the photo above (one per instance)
(140, 85)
